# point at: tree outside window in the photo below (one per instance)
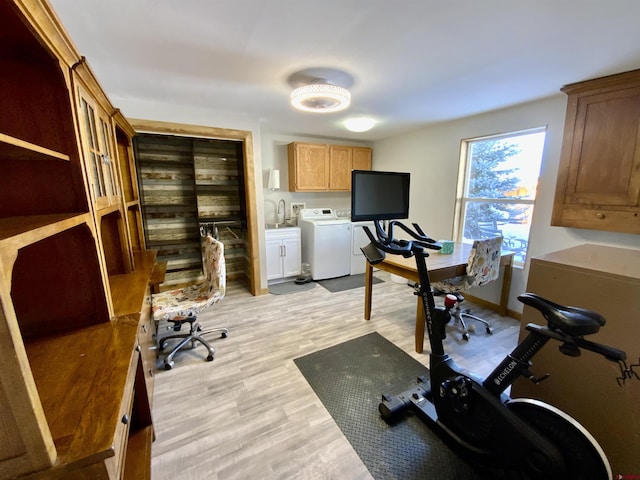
(499, 188)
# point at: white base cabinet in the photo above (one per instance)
(283, 252)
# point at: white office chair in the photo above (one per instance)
(181, 305)
(483, 267)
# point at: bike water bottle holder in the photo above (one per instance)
(450, 301)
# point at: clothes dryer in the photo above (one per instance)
(359, 239)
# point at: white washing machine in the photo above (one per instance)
(326, 242)
(359, 239)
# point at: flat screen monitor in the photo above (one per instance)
(379, 195)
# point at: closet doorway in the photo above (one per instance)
(195, 180)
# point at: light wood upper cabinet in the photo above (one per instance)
(361, 158)
(340, 162)
(317, 167)
(308, 167)
(599, 176)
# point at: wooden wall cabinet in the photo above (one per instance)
(97, 139)
(73, 396)
(129, 182)
(317, 167)
(598, 184)
(308, 167)
(100, 152)
(607, 280)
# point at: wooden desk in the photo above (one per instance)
(440, 268)
(157, 275)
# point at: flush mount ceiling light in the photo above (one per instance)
(359, 124)
(320, 97)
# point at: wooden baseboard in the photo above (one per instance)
(492, 306)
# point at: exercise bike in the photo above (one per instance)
(522, 438)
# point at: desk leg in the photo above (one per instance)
(420, 321)
(506, 288)
(368, 290)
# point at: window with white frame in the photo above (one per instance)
(497, 188)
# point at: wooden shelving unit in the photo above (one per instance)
(74, 386)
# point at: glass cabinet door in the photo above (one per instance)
(102, 168)
(108, 160)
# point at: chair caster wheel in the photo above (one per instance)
(224, 335)
(465, 336)
(209, 358)
(162, 346)
(168, 365)
(489, 331)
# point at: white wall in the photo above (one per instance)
(432, 156)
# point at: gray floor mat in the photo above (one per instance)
(349, 379)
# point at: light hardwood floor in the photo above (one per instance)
(250, 414)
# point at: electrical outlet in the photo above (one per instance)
(295, 210)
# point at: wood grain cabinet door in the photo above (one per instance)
(605, 154)
(308, 167)
(361, 158)
(598, 183)
(340, 161)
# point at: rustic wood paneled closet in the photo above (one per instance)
(189, 186)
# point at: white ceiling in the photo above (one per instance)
(413, 62)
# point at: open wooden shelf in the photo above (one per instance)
(84, 380)
(17, 232)
(14, 148)
(128, 290)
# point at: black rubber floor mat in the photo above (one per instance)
(349, 379)
(340, 284)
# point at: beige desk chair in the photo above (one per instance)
(183, 304)
(483, 267)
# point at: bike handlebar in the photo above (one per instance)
(386, 242)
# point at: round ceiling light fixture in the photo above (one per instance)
(359, 124)
(320, 97)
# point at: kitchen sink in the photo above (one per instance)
(271, 226)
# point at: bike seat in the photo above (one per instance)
(573, 321)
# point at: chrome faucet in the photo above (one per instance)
(284, 213)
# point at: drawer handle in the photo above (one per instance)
(601, 216)
(125, 419)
